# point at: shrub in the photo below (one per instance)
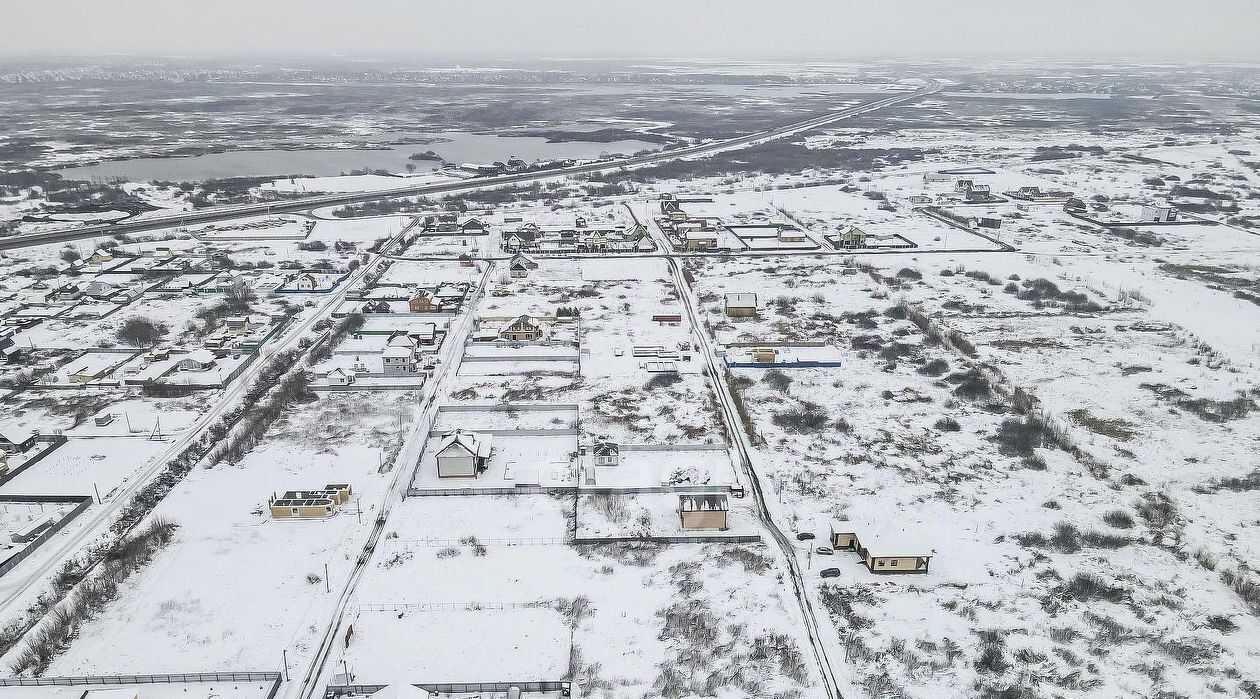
(1157, 509)
(139, 331)
(777, 380)
(1084, 587)
(971, 384)
(910, 274)
(809, 417)
(935, 367)
(947, 424)
(1119, 519)
(662, 381)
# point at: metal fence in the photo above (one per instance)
(185, 678)
(84, 502)
(55, 439)
(333, 690)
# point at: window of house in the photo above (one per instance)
(880, 564)
(294, 512)
(894, 564)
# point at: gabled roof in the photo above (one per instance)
(400, 691)
(14, 434)
(201, 356)
(893, 539)
(742, 300)
(472, 443)
(606, 449)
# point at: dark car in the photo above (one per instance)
(805, 536)
(830, 572)
(823, 551)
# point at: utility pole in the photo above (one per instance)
(327, 584)
(98, 493)
(284, 654)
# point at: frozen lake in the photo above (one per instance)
(453, 146)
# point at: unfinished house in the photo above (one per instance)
(309, 504)
(703, 512)
(462, 454)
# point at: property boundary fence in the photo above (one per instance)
(540, 432)
(509, 407)
(334, 690)
(187, 678)
(56, 439)
(446, 543)
(84, 502)
(712, 539)
(447, 606)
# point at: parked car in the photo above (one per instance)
(830, 572)
(823, 551)
(805, 536)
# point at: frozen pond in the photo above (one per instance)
(454, 146)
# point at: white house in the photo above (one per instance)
(99, 288)
(306, 282)
(398, 359)
(340, 377)
(462, 454)
(741, 305)
(197, 360)
(15, 439)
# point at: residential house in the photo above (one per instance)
(463, 454)
(422, 301)
(893, 550)
(979, 193)
(606, 453)
(703, 512)
(398, 359)
(309, 504)
(964, 185)
(340, 377)
(520, 265)
(472, 226)
(197, 360)
(99, 256)
(376, 306)
(99, 289)
(465, 260)
(15, 439)
(1158, 214)
(306, 282)
(521, 329)
(791, 234)
(740, 305)
(522, 239)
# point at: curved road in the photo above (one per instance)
(221, 213)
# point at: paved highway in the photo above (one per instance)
(222, 213)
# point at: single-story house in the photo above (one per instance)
(309, 504)
(1158, 214)
(706, 512)
(99, 288)
(791, 234)
(893, 550)
(340, 377)
(463, 454)
(15, 439)
(741, 305)
(197, 360)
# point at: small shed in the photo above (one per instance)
(463, 454)
(15, 439)
(703, 512)
(843, 536)
(340, 377)
(741, 305)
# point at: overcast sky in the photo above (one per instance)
(668, 28)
